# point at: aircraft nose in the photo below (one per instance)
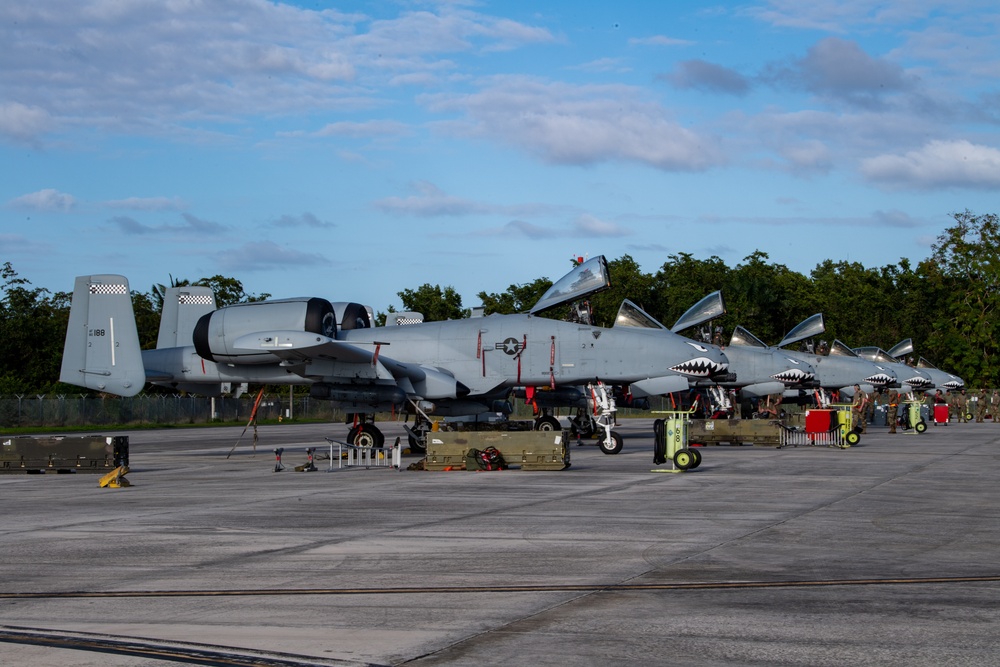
(707, 362)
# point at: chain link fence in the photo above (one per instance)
(74, 411)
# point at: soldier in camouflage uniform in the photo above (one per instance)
(962, 406)
(858, 410)
(981, 405)
(995, 406)
(890, 415)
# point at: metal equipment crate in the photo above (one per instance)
(69, 454)
(528, 450)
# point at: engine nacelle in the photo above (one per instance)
(216, 332)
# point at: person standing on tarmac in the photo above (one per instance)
(858, 408)
(962, 405)
(995, 406)
(984, 399)
(891, 414)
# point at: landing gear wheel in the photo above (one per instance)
(416, 446)
(684, 459)
(612, 445)
(365, 435)
(697, 458)
(852, 438)
(921, 426)
(547, 423)
(581, 429)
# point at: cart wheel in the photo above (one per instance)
(612, 445)
(852, 438)
(697, 458)
(683, 459)
(921, 426)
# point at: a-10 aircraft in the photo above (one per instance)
(443, 368)
(759, 369)
(903, 350)
(840, 368)
(910, 378)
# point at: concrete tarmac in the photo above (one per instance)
(885, 554)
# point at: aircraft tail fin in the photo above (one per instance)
(182, 308)
(102, 344)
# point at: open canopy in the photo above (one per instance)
(631, 315)
(585, 279)
(743, 337)
(708, 308)
(807, 328)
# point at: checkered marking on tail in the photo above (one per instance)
(108, 289)
(194, 299)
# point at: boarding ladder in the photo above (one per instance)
(352, 456)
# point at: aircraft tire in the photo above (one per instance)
(366, 435)
(612, 445)
(416, 447)
(921, 426)
(547, 423)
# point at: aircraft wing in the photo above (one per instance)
(299, 348)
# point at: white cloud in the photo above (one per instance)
(266, 255)
(48, 199)
(938, 164)
(305, 220)
(590, 226)
(148, 203)
(191, 225)
(429, 201)
(23, 123)
(194, 64)
(659, 40)
(580, 125)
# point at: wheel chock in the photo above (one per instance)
(115, 479)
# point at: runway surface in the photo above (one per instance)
(884, 553)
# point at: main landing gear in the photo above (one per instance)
(364, 433)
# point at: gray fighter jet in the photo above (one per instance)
(441, 368)
(840, 368)
(910, 378)
(754, 368)
(903, 351)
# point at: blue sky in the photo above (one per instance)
(351, 150)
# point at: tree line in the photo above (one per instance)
(947, 304)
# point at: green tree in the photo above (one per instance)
(627, 282)
(968, 331)
(517, 298)
(681, 282)
(768, 299)
(32, 329)
(434, 303)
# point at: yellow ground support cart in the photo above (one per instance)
(671, 441)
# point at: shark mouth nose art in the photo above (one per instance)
(918, 382)
(702, 367)
(879, 379)
(793, 376)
